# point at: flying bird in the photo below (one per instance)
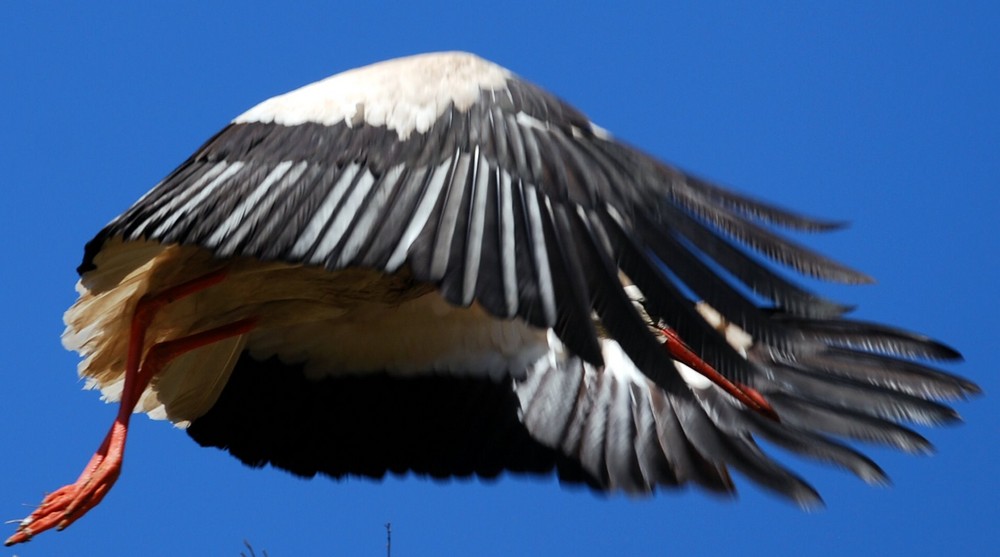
(431, 265)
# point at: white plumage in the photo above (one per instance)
(405, 95)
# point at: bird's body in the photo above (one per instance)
(431, 265)
(333, 322)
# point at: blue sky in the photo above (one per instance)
(885, 115)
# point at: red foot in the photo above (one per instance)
(750, 397)
(64, 506)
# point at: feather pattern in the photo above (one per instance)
(358, 208)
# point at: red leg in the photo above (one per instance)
(749, 396)
(104, 476)
(145, 311)
(62, 507)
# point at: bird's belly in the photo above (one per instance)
(351, 321)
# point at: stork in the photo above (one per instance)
(431, 265)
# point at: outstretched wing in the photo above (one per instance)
(502, 195)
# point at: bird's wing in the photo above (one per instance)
(516, 201)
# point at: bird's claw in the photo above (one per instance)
(65, 505)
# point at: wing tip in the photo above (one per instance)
(807, 498)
